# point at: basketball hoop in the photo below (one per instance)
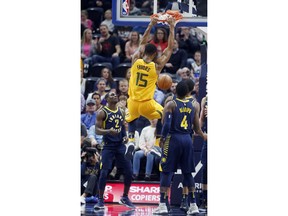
(163, 17)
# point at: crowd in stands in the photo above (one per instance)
(105, 51)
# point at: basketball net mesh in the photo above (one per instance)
(163, 17)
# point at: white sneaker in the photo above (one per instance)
(193, 209)
(130, 147)
(161, 209)
(82, 200)
(83, 208)
(156, 151)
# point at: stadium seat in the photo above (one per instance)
(120, 70)
(95, 14)
(95, 70)
(90, 81)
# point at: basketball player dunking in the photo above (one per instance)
(144, 74)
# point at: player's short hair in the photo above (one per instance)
(150, 49)
(190, 84)
(182, 89)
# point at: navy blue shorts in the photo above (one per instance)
(111, 152)
(178, 152)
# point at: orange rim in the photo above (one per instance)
(176, 14)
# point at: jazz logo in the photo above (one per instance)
(125, 7)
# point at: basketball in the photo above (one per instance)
(164, 82)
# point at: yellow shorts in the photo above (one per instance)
(149, 109)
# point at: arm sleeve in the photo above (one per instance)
(167, 124)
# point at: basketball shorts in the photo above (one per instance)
(177, 153)
(149, 109)
(109, 153)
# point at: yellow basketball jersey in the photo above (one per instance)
(142, 83)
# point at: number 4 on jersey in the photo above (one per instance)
(184, 122)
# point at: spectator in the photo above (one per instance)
(85, 21)
(173, 86)
(133, 10)
(123, 88)
(105, 4)
(96, 140)
(88, 45)
(89, 118)
(183, 74)
(97, 97)
(101, 86)
(158, 95)
(123, 103)
(108, 20)
(132, 45)
(108, 48)
(128, 74)
(147, 140)
(147, 6)
(89, 172)
(188, 42)
(196, 65)
(160, 40)
(177, 61)
(111, 85)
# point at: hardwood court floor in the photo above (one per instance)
(112, 209)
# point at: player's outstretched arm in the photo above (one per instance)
(138, 54)
(164, 58)
(146, 34)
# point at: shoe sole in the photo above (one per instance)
(129, 152)
(120, 202)
(192, 213)
(202, 210)
(155, 154)
(162, 213)
(99, 208)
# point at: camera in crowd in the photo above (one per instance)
(89, 150)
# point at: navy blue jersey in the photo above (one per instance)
(182, 117)
(115, 120)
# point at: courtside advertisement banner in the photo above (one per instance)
(139, 193)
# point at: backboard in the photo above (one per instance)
(136, 12)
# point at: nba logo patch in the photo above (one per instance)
(125, 7)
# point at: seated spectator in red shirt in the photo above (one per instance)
(160, 40)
